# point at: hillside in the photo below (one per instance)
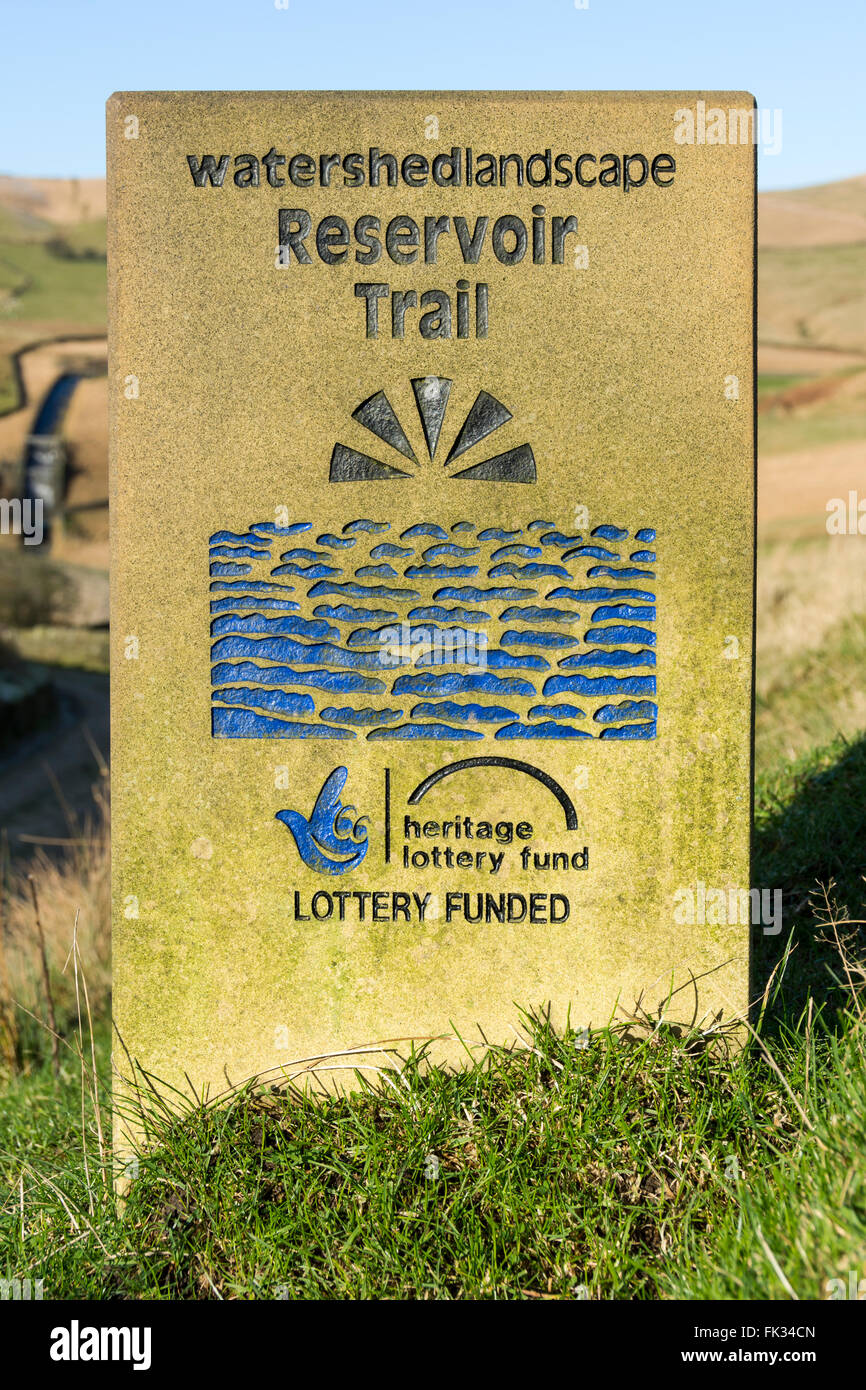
(57, 202)
(52, 269)
(811, 324)
(828, 214)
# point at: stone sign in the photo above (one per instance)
(433, 548)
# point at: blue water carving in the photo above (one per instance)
(627, 572)
(288, 649)
(531, 613)
(549, 729)
(600, 685)
(449, 709)
(530, 571)
(343, 682)
(460, 552)
(594, 595)
(364, 591)
(257, 586)
(558, 539)
(522, 552)
(278, 701)
(226, 569)
(441, 571)
(307, 571)
(494, 533)
(335, 542)
(345, 613)
(590, 552)
(629, 709)
(617, 657)
(235, 605)
(329, 842)
(556, 712)
(461, 591)
(388, 550)
(498, 660)
(620, 633)
(371, 637)
(366, 717)
(300, 552)
(511, 638)
(624, 611)
(428, 684)
(411, 618)
(237, 552)
(435, 613)
(375, 572)
(425, 731)
(246, 537)
(245, 723)
(424, 528)
(291, 624)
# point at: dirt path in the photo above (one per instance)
(799, 485)
(57, 767)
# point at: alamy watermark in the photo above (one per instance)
(701, 905)
(735, 125)
(852, 1287)
(16, 1290)
(846, 516)
(77, 1343)
(22, 518)
(405, 644)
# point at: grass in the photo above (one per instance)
(812, 296)
(33, 590)
(821, 410)
(49, 282)
(826, 694)
(559, 1171)
(785, 432)
(773, 383)
(811, 647)
(798, 1227)
(48, 286)
(79, 648)
(646, 1161)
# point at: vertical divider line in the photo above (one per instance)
(387, 815)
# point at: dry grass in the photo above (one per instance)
(804, 589)
(637, 1162)
(71, 882)
(811, 645)
(827, 214)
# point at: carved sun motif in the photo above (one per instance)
(486, 415)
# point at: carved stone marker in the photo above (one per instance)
(433, 489)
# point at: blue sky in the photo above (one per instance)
(802, 58)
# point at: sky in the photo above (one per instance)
(802, 59)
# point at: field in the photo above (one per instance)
(647, 1160)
